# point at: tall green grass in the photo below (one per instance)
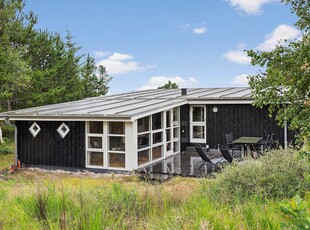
(235, 199)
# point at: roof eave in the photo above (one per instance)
(221, 100)
(61, 117)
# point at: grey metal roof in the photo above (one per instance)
(129, 106)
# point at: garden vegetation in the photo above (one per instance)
(269, 193)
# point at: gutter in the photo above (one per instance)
(8, 122)
(62, 117)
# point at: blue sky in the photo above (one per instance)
(145, 43)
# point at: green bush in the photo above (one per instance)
(279, 174)
(8, 132)
(6, 148)
(297, 214)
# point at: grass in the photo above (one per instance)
(40, 200)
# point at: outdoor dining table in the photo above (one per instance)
(246, 140)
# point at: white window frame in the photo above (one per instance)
(115, 151)
(175, 125)
(105, 145)
(198, 123)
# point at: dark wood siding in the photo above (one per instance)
(242, 120)
(48, 147)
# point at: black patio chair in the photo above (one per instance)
(207, 161)
(229, 137)
(225, 152)
(270, 143)
(265, 144)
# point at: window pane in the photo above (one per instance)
(144, 124)
(95, 142)
(157, 137)
(168, 135)
(157, 152)
(168, 119)
(143, 156)
(117, 143)
(117, 160)
(198, 113)
(176, 146)
(168, 146)
(95, 127)
(198, 132)
(95, 158)
(176, 116)
(156, 121)
(176, 132)
(143, 140)
(116, 128)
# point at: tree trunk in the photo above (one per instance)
(9, 104)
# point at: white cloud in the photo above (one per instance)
(278, 35)
(100, 54)
(157, 81)
(196, 28)
(240, 80)
(119, 63)
(200, 30)
(237, 56)
(249, 6)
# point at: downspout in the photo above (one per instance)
(8, 122)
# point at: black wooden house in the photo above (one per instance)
(127, 131)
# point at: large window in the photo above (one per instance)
(198, 124)
(158, 136)
(116, 140)
(95, 147)
(176, 130)
(105, 144)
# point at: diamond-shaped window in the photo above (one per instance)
(34, 129)
(63, 130)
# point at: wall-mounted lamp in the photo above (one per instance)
(215, 109)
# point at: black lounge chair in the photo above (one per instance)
(226, 154)
(207, 161)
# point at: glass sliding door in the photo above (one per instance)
(198, 124)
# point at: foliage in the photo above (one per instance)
(284, 84)
(6, 147)
(7, 131)
(279, 174)
(169, 85)
(75, 203)
(6, 155)
(39, 67)
(297, 213)
(95, 79)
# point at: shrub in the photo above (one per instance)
(296, 212)
(277, 175)
(6, 148)
(8, 132)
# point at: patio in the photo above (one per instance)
(185, 164)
